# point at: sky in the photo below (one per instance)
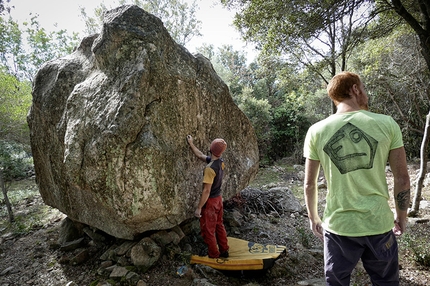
(217, 28)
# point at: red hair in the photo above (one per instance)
(340, 85)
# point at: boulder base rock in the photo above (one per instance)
(108, 125)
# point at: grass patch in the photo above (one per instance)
(416, 241)
(20, 190)
(265, 176)
(297, 191)
(29, 211)
(281, 171)
(272, 174)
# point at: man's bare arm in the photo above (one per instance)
(312, 168)
(402, 193)
(199, 154)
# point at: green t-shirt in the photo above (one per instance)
(353, 150)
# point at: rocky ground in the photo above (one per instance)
(29, 254)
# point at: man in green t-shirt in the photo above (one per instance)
(353, 147)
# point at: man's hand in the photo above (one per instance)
(399, 227)
(198, 212)
(195, 150)
(317, 229)
(189, 139)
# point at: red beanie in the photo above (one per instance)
(218, 146)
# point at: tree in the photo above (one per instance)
(324, 35)
(4, 7)
(230, 65)
(259, 91)
(423, 169)
(258, 112)
(44, 46)
(235, 63)
(6, 198)
(178, 16)
(417, 15)
(320, 35)
(289, 126)
(397, 78)
(266, 72)
(11, 46)
(13, 165)
(23, 51)
(15, 98)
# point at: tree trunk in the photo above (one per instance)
(420, 26)
(423, 170)
(6, 198)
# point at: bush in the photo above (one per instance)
(416, 240)
(15, 162)
(289, 127)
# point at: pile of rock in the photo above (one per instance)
(126, 260)
(121, 259)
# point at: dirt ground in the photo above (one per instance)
(28, 255)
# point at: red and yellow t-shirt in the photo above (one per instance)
(213, 174)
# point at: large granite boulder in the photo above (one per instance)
(109, 123)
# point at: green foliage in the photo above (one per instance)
(269, 75)
(398, 82)
(289, 127)
(24, 50)
(258, 112)
(280, 130)
(23, 225)
(11, 46)
(45, 46)
(320, 35)
(317, 105)
(280, 95)
(15, 98)
(95, 283)
(29, 221)
(417, 242)
(15, 162)
(178, 16)
(265, 91)
(93, 23)
(23, 193)
(208, 51)
(230, 65)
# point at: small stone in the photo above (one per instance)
(118, 272)
(6, 271)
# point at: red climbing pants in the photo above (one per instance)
(212, 227)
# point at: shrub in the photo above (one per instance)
(15, 162)
(417, 241)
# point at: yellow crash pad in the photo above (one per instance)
(243, 255)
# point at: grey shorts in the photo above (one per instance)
(379, 254)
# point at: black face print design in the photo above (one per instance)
(351, 149)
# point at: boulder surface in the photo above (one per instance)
(108, 126)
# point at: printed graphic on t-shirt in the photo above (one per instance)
(350, 149)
